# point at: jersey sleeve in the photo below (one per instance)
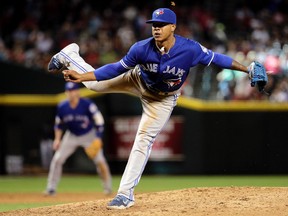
(222, 60)
(108, 71)
(58, 124)
(207, 57)
(131, 59)
(204, 56)
(98, 119)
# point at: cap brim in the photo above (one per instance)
(157, 20)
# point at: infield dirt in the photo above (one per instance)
(214, 201)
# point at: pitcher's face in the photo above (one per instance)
(162, 31)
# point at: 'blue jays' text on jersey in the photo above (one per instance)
(78, 120)
(166, 72)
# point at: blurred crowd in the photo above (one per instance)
(31, 31)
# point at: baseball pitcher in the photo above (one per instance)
(153, 69)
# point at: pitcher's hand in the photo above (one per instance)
(73, 76)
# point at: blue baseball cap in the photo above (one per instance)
(71, 86)
(164, 15)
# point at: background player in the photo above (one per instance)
(154, 69)
(83, 124)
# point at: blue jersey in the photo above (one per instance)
(78, 120)
(166, 72)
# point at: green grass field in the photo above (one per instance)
(88, 183)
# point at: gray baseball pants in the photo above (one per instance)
(156, 112)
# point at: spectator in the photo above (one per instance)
(40, 28)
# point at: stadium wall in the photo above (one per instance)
(218, 137)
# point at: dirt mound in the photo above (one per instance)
(224, 201)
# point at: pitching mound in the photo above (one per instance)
(224, 201)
